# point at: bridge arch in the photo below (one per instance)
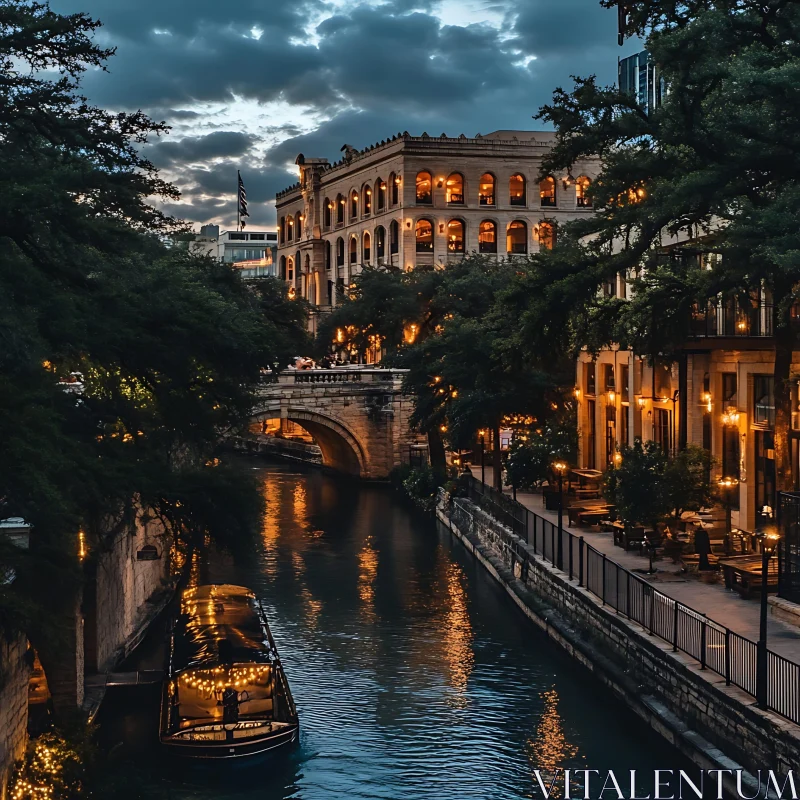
(340, 447)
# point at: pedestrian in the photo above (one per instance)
(702, 546)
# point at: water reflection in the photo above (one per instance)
(549, 749)
(414, 674)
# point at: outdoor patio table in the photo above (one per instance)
(743, 573)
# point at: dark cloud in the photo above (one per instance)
(366, 72)
(200, 148)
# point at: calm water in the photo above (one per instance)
(414, 674)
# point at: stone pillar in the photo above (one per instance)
(14, 676)
(63, 660)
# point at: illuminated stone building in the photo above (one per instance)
(718, 394)
(413, 200)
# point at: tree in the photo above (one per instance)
(168, 344)
(638, 486)
(688, 480)
(716, 163)
(531, 456)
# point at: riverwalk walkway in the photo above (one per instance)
(722, 605)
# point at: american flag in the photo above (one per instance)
(242, 200)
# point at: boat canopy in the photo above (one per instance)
(219, 625)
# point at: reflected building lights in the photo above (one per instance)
(548, 749)
(458, 635)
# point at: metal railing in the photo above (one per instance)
(711, 644)
(731, 318)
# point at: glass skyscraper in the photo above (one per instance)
(639, 76)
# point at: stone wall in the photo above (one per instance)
(717, 726)
(125, 589)
(14, 675)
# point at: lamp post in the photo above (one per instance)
(727, 486)
(482, 434)
(769, 541)
(560, 468)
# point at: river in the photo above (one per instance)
(414, 674)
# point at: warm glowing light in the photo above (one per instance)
(410, 333)
(612, 396)
(83, 550)
(706, 396)
(727, 483)
(617, 458)
(443, 428)
(640, 401)
(577, 393)
(454, 393)
(560, 466)
(47, 364)
(731, 416)
(339, 335)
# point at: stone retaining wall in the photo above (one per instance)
(717, 726)
(15, 672)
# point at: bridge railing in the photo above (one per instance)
(334, 376)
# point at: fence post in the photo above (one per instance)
(604, 579)
(727, 657)
(580, 561)
(652, 607)
(675, 626)
(703, 635)
(553, 543)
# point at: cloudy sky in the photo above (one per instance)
(250, 84)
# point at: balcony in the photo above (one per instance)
(731, 319)
(455, 200)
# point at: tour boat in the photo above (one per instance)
(225, 693)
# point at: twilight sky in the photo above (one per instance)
(250, 84)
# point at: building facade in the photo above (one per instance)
(236, 246)
(718, 393)
(414, 200)
(639, 76)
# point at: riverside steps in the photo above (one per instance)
(691, 679)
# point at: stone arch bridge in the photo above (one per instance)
(358, 417)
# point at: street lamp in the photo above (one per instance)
(727, 485)
(560, 467)
(482, 434)
(769, 541)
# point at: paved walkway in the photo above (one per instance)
(715, 601)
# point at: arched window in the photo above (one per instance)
(340, 203)
(366, 245)
(394, 237)
(367, 201)
(290, 269)
(487, 237)
(455, 189)
(547, 191)
(455, 236)
(353, 250)
(282, 264)
(582, 199)
(486, 189)
(290, 229)
(394, 188)
(282, 229)
(327, 208)
(547, 235)
(517, 238)
(517, 190)
(380, 192)
(340, 252)
(298, 226)
(297, 262)
(354, 204)
(380, 241)
(424, 188)
(424, 236)
(327, 254)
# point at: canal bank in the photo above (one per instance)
(413, 672)
(715, 725)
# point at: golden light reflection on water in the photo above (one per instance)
(300, 505)
(457, 634)
(367, 574)
(549, 749)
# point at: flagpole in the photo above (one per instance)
(238, 204)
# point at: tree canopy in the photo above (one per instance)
(122, 359)
(712, 170)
